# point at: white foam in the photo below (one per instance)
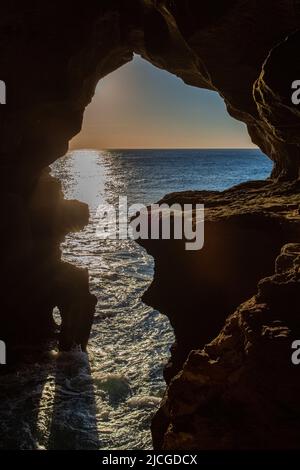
(143, 401)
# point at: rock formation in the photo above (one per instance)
(220, 394)
(51, 57)
(245, 227)
(241, 390)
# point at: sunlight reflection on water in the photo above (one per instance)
(129, 342)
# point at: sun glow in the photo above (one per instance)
(140, 106)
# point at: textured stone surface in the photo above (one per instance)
(221, 397)
(280, 117)
(245, 228)
(242, 390)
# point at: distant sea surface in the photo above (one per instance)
(106, 400)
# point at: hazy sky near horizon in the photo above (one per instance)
(141, 106)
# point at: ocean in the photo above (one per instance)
(105, 400)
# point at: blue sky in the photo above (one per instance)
(141, 106)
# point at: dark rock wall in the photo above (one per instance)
(227, 44)
(245, 228)
(220, 384)
(52, 54)
(241, 391)
(51, 58)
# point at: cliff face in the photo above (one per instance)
(242, 390)
(52, 56)
(245, 228)
(221, 377)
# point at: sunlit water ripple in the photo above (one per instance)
(105, 400)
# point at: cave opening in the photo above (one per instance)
(69, 399)
(130, 341)
(126, 358)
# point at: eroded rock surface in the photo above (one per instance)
(241, 391)
(245, 228)
(221, 377)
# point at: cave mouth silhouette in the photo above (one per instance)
(54, 101)
(65, 50)
(60, 438)
(95, 105)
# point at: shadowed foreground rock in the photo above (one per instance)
(241, 391)
(245, 228)
(40, 281)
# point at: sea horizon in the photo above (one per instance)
(162, 148)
